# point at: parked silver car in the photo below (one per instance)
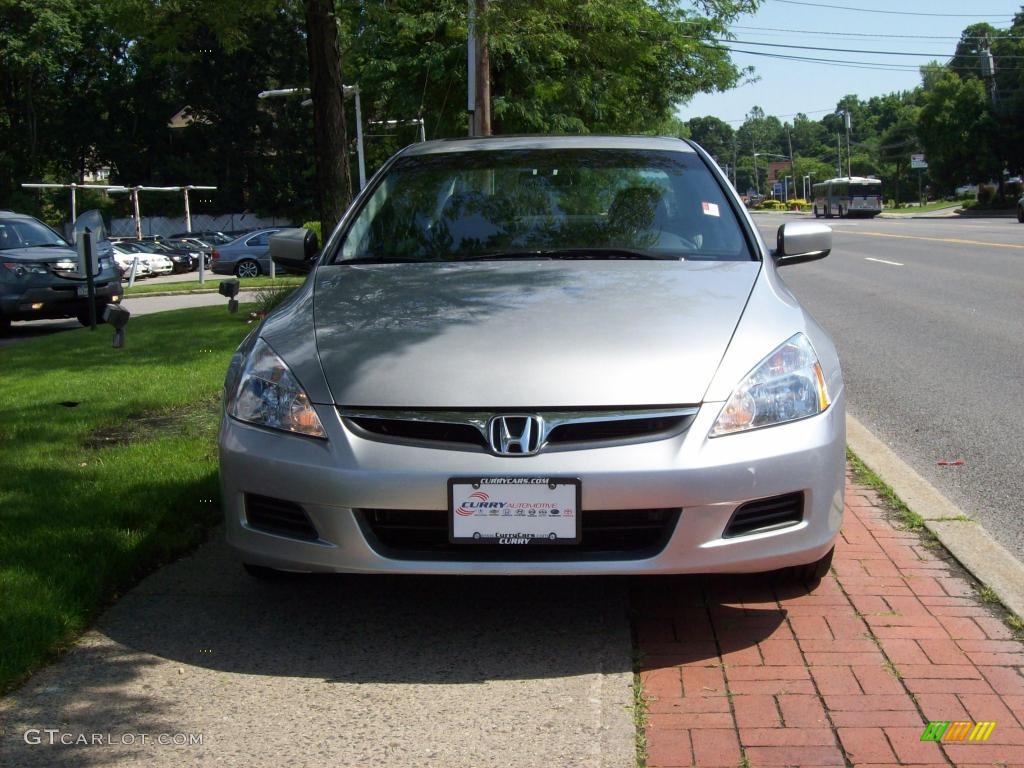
(245, 256)
(565, 355)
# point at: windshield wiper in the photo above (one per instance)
(575, 253)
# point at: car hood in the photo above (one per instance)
(535, 334)
(40, 255)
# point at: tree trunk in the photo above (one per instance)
(482, 116)
(334, 186)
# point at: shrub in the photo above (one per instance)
(315, 226)
(772, 205)
(269, 296)
(986, 194)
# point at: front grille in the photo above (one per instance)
(766, 515)
(284, 518)
(562, 430)
(422, 431)
(422, 534)
(622, 429)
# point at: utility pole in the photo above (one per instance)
(735, 160)
(480, 70)
(849, 160)
(792, 159)
(753, 151)
(839, 154)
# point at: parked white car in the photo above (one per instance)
(125, 258)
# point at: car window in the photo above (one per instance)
(263, 238)
(27, 233)
(465, 205)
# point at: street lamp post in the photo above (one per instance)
(347, 90)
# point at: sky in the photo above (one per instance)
(814, 88)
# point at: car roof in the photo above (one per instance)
(15, 215)
(498, 143)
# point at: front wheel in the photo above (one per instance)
(83, 316)
(812, 573)
(247, 268)
(816, 214)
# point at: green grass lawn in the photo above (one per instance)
(212, 281)
(108, 468)
(928, 207)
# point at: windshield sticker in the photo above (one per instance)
(710, 209)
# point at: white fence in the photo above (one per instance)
(167, 226)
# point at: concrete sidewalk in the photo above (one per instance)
(740, 671)
(340, 672)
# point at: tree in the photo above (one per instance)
(334, 186)
(955, 129)
(716, 136)
(897, 144)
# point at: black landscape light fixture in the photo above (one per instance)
(118, 317)
(229, 288)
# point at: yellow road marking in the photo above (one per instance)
(932, 239)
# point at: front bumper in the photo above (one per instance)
(706, 479)
(56, 301)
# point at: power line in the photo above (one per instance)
(847, 63)
(872, 35)
(861, 50)
(898, 13)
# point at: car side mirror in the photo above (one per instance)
(800, 241)
(295, 249)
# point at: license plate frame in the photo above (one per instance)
(532, 501)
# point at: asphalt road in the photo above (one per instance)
(928, 316)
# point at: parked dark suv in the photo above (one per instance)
(38, 277)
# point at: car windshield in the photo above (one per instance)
(565, 203)
(26, 233)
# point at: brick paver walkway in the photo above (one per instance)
(741, 671)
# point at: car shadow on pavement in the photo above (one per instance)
(207, 611)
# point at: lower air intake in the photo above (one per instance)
(766, 515)
(283, 518)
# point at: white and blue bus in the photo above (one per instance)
(848, 196)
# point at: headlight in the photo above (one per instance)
(268, 394)
(785, 386)
(21, 268)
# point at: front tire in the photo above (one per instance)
(812, 573)
(263, 573)
(247, 268)
(83, 316)
(816, 214)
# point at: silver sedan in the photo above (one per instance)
(565, 355)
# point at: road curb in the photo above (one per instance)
(986, 559)
(196, 292)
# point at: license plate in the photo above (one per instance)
(514, 511)
(82, 290)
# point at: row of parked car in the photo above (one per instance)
(244, 255)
